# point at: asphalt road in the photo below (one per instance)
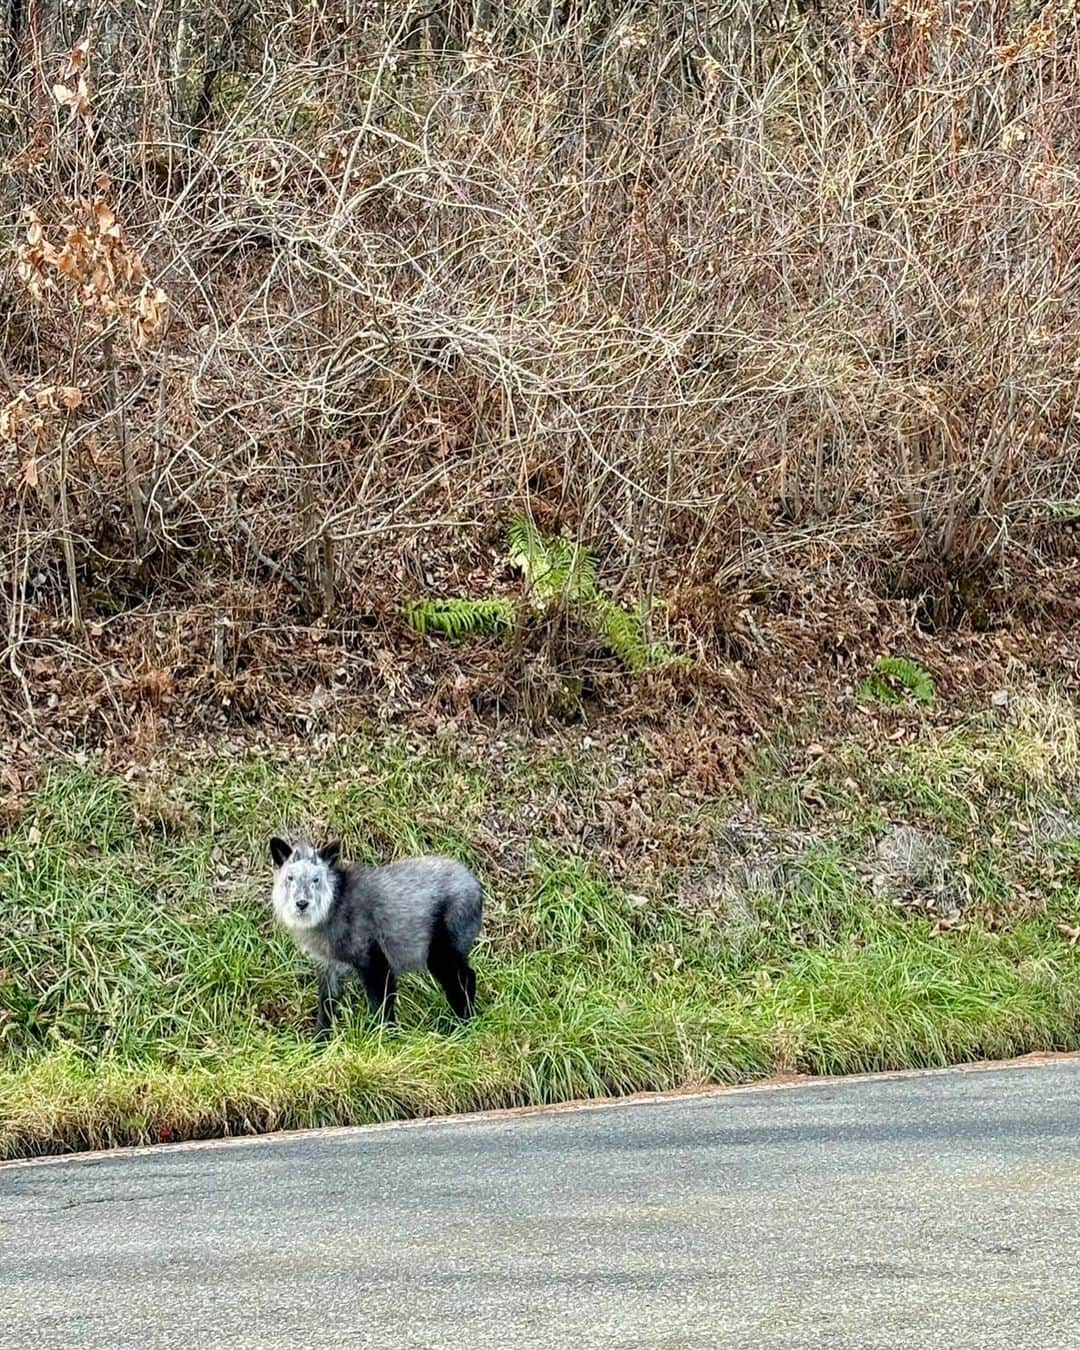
(925, 1211)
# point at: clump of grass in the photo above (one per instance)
(146, 995)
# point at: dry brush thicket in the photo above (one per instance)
(301, 305)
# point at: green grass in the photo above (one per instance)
(146, 995)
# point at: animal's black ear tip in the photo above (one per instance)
(279, 850)
(331, 852)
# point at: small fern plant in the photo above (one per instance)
(895, 678)
(555, 571)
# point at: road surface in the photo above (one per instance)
(938, 1210)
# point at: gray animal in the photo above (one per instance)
(422, 913)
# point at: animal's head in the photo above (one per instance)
(304, 882)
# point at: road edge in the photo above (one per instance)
(696, 1092)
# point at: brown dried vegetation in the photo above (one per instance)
(777, 310)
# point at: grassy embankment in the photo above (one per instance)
(144, 994)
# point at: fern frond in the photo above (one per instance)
(895, 677)
(624, 632)
(554, 568)
(458, 617)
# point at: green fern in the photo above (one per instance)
(624, 632)
(554, 568)
(459, 617)
(559, 569)
(895, 678)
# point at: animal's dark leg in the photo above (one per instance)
(469, 978)
(380, 984)
(329, 988)
(453, 972)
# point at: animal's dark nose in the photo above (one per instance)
(301, 905)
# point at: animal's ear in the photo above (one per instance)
(330, 853)
(279, 851)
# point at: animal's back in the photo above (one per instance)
(406, 899)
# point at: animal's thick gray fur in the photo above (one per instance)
(381, 922)
(396, 906)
